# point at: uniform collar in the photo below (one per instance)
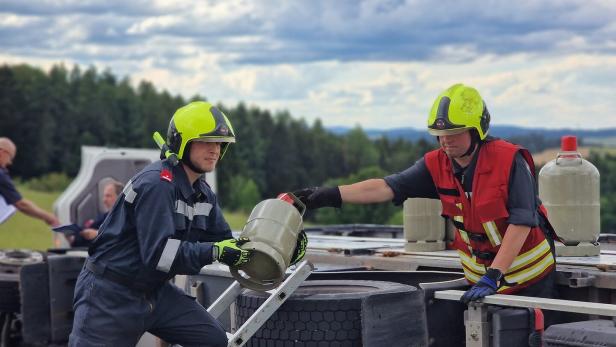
(187, 190)
(200, 187)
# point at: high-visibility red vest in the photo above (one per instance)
(481, 220)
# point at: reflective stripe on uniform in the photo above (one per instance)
(492, 232)
(531, 272)
(168, 256)
(473, 270)
(530, 256)
(129, 193)
(471, 276)
(465, 238)
(471, 263)
(200, 209)
(474, 278)
(460, 218)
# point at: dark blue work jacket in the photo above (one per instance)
(160, 226)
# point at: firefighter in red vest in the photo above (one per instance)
(487, 188)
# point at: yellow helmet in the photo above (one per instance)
(457, 109)
(199, 121)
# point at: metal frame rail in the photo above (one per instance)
(277, 297)
(478, 327)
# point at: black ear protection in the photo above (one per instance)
(174, 139)
(485, 119)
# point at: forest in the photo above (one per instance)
(51, 114)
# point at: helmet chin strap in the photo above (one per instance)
(471, 148)
(473, 145)
(186, 160)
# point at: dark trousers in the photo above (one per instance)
(545, 288)
(110, 314)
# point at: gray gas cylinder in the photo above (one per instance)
(569, 189)
(424, 227)
(272, 227)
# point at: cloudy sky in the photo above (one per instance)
(380, 64)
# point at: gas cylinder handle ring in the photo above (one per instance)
(562, 155)
(299, 205)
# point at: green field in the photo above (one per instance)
(21, 231)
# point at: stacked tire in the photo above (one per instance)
(341, 313)
(11, 261)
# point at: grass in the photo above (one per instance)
(236, 220)
(550, 153)
(21, 231)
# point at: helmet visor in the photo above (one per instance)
(446, 132)
(227, 139)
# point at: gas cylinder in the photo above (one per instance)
(569, 189)
(272, 228)
(424, 227)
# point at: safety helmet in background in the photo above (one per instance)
(458, 109)
(199, 121)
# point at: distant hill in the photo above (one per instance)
(606, 137)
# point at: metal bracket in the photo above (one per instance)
(579, 279)
(477, 326)
(277, 297)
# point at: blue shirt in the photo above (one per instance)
(160, 226)
(7, 188)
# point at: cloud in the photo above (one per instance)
(402, 31)
(270, 32)
(378, 63)
(92, 7)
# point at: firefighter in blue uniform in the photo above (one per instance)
(166, 222)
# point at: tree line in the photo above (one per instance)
(50, 115)
(606, 164)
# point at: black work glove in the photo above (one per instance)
(317, 197)
(300, 248)
(487, 285)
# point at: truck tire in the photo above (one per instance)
(11, 261)
(341, 313)
(9, 296)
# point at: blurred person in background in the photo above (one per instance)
(9, 193)
(111, 191)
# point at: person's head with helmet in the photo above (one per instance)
(199, 133)
(460, 120)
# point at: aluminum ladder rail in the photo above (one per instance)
(276, 298)
(478, 327)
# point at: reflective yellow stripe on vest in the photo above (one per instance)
(459, 218)
(463, 233)
(474, 278)
(532, 272)
(530, 256)
(492, 232)
(472, 264)
(465, 238)
(473, 270)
